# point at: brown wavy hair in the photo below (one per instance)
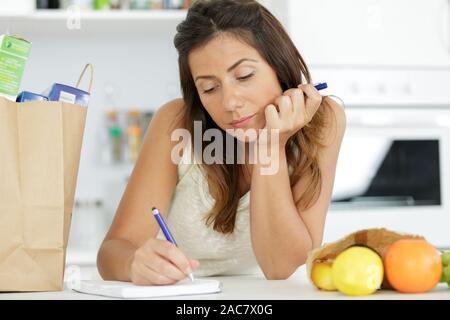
(251, 22)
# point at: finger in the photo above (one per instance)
(166, 268)
(146, 276)
(313, 99)
(277, 103)
(310, 91)
(289, 91)
(194, 264)
(298, 102)
(285, 107)
(272, 117)
(169, 251)
(153, 277)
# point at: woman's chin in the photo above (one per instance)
(245, 135)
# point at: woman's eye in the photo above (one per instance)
(208, 90)
(246, 77)
(239, 78)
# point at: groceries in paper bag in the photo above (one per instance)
(14, 52)
(40, 147)
(372, 259)
(61, 92)
(26, 96)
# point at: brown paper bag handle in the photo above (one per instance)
(88, 65)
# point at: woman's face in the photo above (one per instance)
(235, 83)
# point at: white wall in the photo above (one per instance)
(372, 32)
(143, 71)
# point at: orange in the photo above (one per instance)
(412, 265)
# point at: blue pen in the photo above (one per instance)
(321, 86)
(166, 232)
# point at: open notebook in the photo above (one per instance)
(118, 289)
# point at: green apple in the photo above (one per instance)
(445, 258)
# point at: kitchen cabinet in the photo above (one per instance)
(372, 32)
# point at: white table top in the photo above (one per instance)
(255, 287)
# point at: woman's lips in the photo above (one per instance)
(242, 122)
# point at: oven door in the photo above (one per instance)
(393, 172)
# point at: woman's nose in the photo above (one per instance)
(230, 99)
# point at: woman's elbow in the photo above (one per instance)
(101, 263)
(279, 275)
(284, 272)
(276, 276)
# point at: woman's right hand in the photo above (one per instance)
(159, 262)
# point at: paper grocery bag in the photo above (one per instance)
(378, 239)
(40, 144)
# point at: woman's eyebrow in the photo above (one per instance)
(234, 66)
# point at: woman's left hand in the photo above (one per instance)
(292, 111)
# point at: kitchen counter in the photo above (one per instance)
(255, 287)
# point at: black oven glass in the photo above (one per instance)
(408, 175)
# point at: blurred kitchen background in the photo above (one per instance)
(388, 61)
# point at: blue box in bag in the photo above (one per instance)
(25, 96)
(65, 93)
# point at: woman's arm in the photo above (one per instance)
(152, 183)
(282, 234)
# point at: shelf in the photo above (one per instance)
(101, 15)
(56, 22)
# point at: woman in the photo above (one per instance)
(238, 69)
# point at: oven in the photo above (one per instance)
(393, 171)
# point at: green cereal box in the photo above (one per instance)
(13, 57)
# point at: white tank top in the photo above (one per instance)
(218, 253)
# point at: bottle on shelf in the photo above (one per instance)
(134, 134)
(102, 4)
(48, 4)
(156, 4)
(173, 4)
(140, 4)
(83, 5)
(115, 137)
(98, 5)
(187, 4)
(125, 4)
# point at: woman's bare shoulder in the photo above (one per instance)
(168, 117)
(172, 107)
(338, 107)
(338, 121)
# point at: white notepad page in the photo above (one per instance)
(118, 289)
